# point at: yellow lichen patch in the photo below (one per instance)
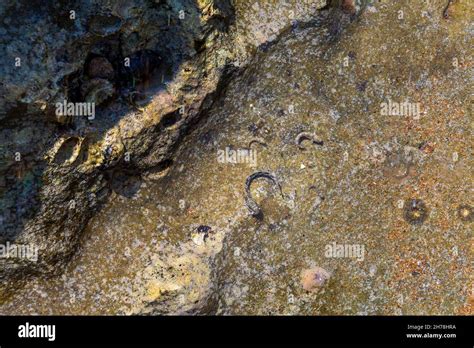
(156, 289)
(95, 157)
(178, 281)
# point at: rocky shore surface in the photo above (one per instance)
(242, 157)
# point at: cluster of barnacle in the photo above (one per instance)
(416, 212)
(134, 72)
(100, 80)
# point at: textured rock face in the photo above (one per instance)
(364, 124)
(142, 69)
(347, 203)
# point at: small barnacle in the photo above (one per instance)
(314, 278)
(136, 99)
(348, 6)
(465, 213)
(416, 211)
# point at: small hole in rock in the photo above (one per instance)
(170, 119)
(66, 151)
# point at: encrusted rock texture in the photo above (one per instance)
(352, 119)
(56, 170)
